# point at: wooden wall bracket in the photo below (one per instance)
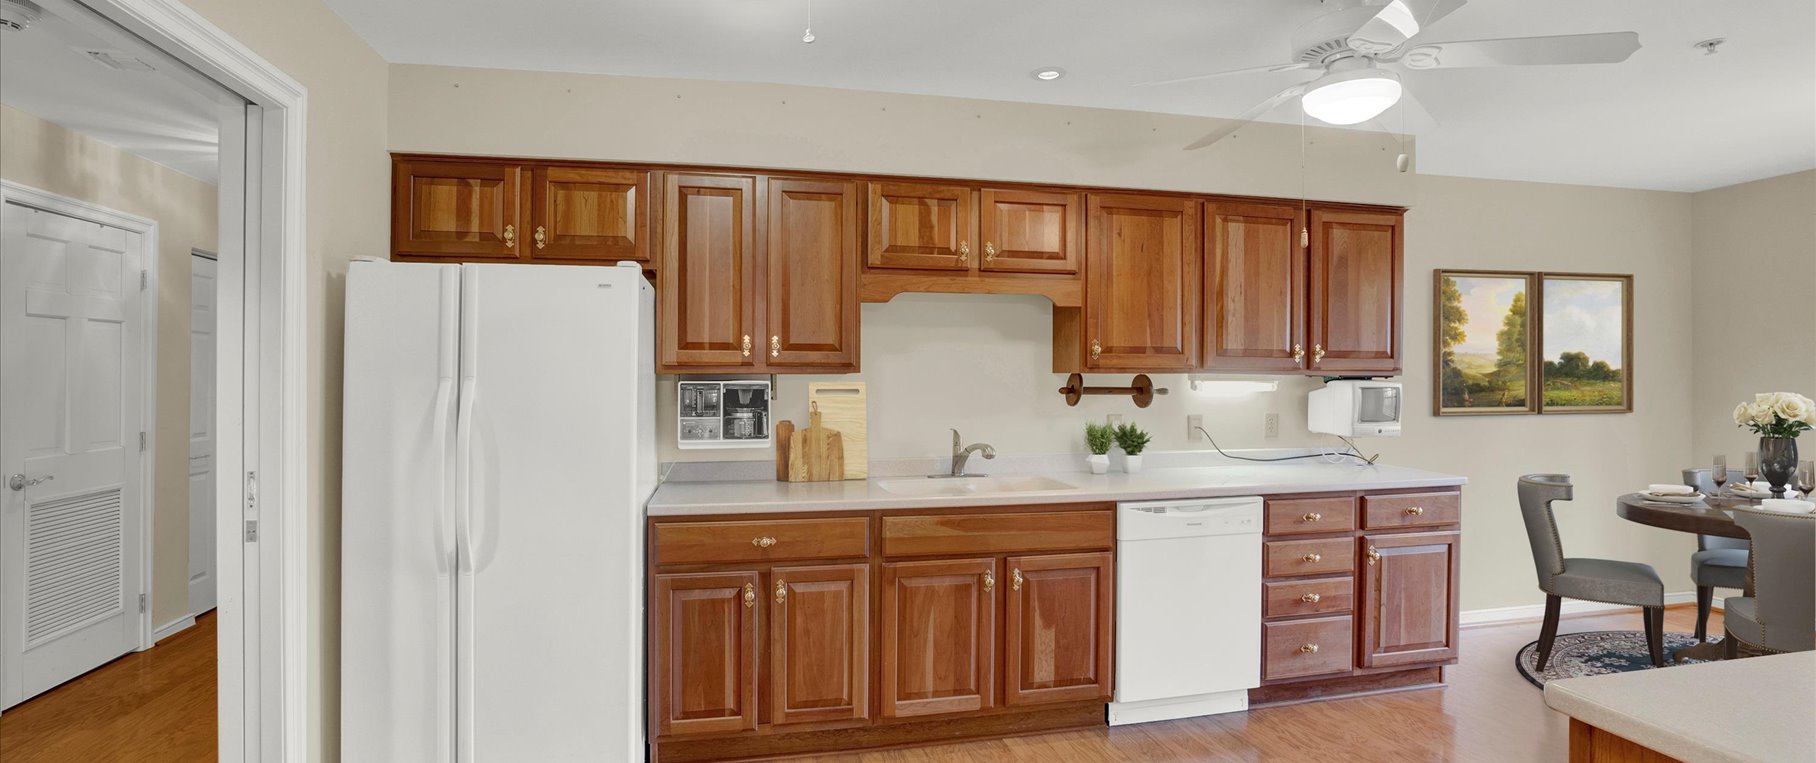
(1141, 389)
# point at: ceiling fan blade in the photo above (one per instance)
(1604, 48)
(1397, 22)
(1250, 70)
(1254, 112)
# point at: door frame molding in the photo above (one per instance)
(265, 639)
(147, 228)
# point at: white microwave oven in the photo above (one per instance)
(1355, 408)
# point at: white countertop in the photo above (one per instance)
(678, 498)
(1756, 709)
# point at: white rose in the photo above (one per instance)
(1742, 414)
(1792, 407)
(1761, 413)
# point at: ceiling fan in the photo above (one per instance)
(1357, 48)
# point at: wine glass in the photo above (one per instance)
(1752, 469)
(1719, 474)
(1806, 477)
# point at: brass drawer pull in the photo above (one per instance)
(1310, 598)
(747, 345)
(1308, 649)
(1096, 349)
(1312, 558)
(775, 346)
(989, 581)
(1414, 511)
(1374, 555)
(750, 595)
(510, 236)
(1312, 517)
(781, 592)
(763, 541)
(964, 252)
(1015, 580)
(1298, 353)
(989, 251)
(542, 237)
(1317, 353)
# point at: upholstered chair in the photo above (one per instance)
(1718, 562)
(1601, 580)
(1780, 616)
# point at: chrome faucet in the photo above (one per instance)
(962, 454)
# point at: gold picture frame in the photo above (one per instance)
(1483, 338)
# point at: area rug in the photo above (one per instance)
(1596, 653)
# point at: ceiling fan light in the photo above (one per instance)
(1352, 97)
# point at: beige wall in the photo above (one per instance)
(1755, 329)
(348, 207)
(48, 157)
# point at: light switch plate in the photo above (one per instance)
(1194, 422)
(1271, 429)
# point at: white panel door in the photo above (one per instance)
(201, 433)
(70, 400)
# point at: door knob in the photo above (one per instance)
(19, 482)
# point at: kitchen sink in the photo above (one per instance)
(962, 486)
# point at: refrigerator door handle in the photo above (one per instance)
(444, 530)
(463, 483)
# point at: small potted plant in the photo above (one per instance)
(1097, 438)
(1133, 441)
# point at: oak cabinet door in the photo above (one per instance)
(1254, 288)
(457, 210)
(922, 226)
(819, 643)
(1355, 292)
(1409, 598)
(939, 636)
(705, 637)
(595, 215)
(1141, 283)
(1057, 629)
(1031, 231)
(811, 265)
(708, 284)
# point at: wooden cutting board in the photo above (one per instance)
(817, 453)
(784, 438)
(844, 407)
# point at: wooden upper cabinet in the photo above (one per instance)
(1141, 284)
(1409, 611)
(922, 226)
(708, 288)
(819, 643)
(584, 214)
(457, 210)
(1355, 292)
(811, 274)
(706, 652)
(939, 636)
(1057, 628)
(1254, 288)
(1031, 231)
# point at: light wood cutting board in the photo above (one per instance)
(844, 407)
(817, 453)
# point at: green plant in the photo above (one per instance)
(1098, 437)
(1132, 439)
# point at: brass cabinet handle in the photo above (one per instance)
(989, 581)
(775, 346)
(747, 345)
(1309, 558)
(989, 251)
(750, 595)
(1015, 580)
(1374, 555)
(1312, 517)
(1414, 511)
(781, 592)
(763, 541)
(964, 252)
(542, 237)
(1310, 598)
(1308, 648)
(510, 236)
(1298, 353)
(1096, 349)
(1317, 353)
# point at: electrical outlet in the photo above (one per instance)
(1271, 428)
(1193, 423)
(1114, 419)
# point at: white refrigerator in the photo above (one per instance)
(498, 447)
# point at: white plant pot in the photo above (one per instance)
(1099, 464)
(1131, 464)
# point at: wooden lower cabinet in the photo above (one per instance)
(819, 643)
(1408, 612)
(1058, 628)
(939, 636)
(706, 646)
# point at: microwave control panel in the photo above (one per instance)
(722, 414)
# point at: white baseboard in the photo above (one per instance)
(172, 628)
(1534, 612)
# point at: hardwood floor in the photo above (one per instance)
(159, 705)
(153, 706)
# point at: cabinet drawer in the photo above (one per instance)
(709, 542)
(1288, 598)
(1284, 558)
(1306, 647)
(1411, 510)
(995, 533)
(1305, 516)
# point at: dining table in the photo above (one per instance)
(1712, 515)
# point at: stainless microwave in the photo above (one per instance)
(1355, 408)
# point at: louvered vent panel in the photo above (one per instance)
(72, 564)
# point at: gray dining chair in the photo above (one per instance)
(1718, 562)
(1780, 616)
(1601, 580)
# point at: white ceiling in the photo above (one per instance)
(159, 115)
(1669, 118)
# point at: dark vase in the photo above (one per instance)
(1777, 461)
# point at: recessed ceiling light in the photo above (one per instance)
(1048, 74)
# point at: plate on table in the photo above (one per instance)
(1755, 492)
(1673, 497)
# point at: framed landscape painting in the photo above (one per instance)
(1484, 343)
(1586, 336)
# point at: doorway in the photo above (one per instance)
(202, 287)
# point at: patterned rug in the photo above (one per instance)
(1597, 652)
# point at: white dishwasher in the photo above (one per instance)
(1188, 608)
